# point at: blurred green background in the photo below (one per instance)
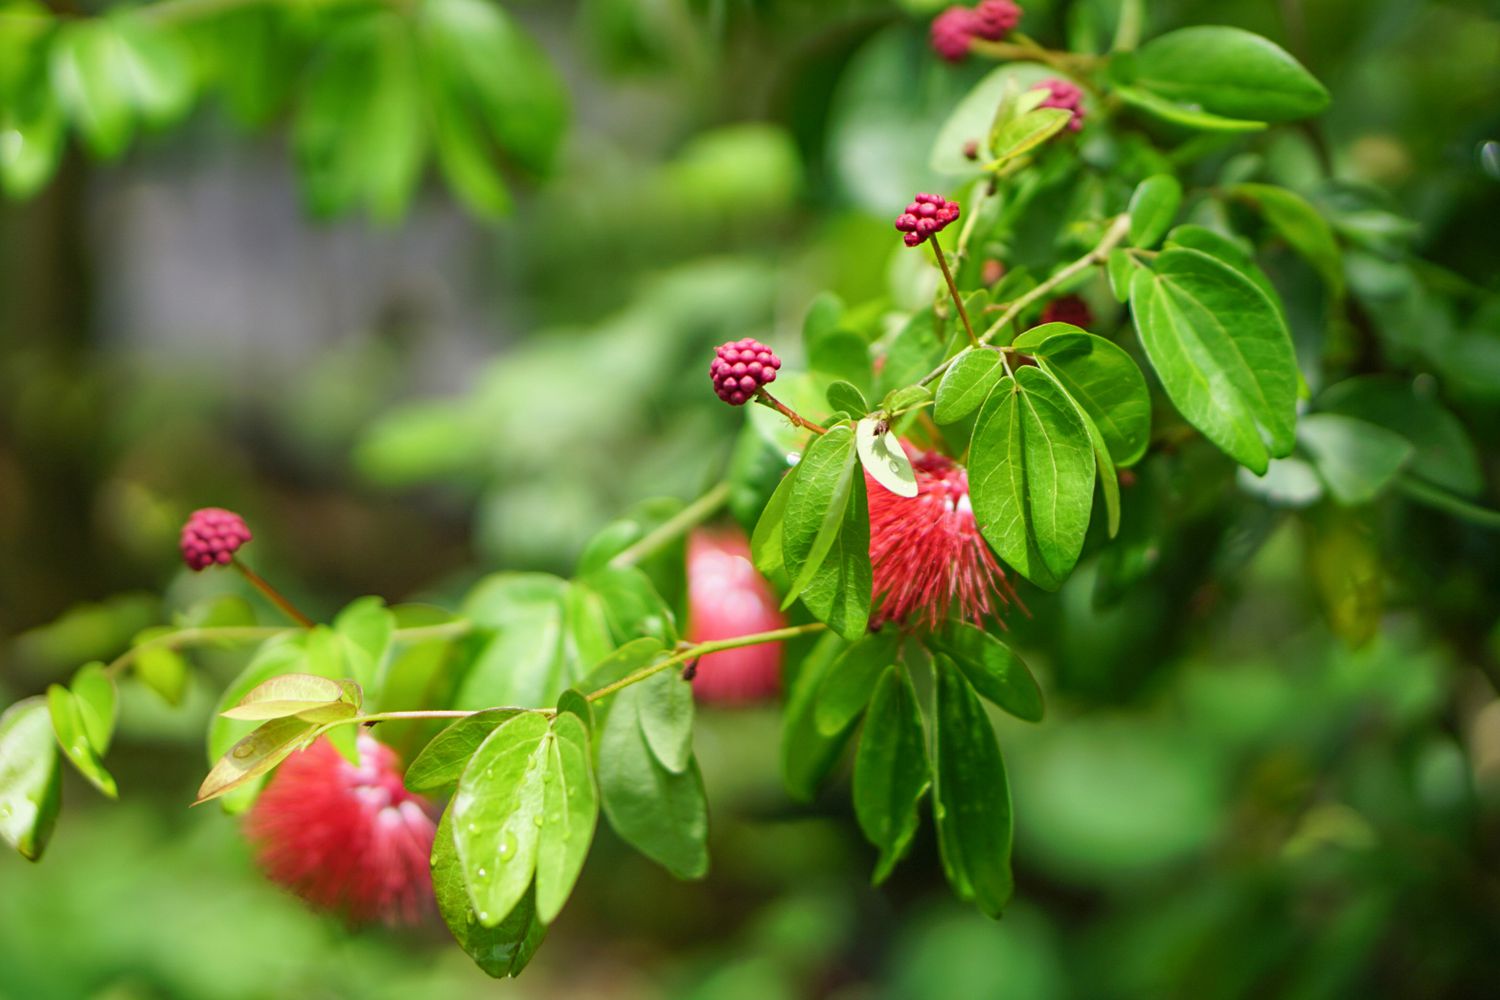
(402, 393)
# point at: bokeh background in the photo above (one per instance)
(1225, 799)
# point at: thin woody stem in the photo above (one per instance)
(689, 517)
(1111, 239)
(274, 595)
(766, 399)
(958, 302)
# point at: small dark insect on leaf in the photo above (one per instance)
(691, 670)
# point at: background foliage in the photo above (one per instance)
(344, 266)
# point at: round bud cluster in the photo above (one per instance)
(1065, 95)
(927, 214)
(741, 367)
(1068, 309)
(956, 28)
(212, 535)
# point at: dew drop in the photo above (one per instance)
(538, 820)
(241, 752)
(473, 827)
(483, 915)
(482, 873)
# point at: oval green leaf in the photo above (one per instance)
(30, 777)
(570, 810)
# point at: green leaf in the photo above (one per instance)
(665, 704)
(1444, 455)
(1425, 493)
(31, 124)
(662, 814)
(164, 671)
(1227, 252)
(1181, 114)
(155, 66)
(766, 549)
(1031, 476)
(97, 705)
(1301, 226)
(501, 950)
(815, 508)
(1227, 71)
(366, 626)
(570, 810)
(88, 75)
(1153, 206)
(1358, 460)
(806, 754)
(883, 458)
(994, 670)
(497, 813)
(891, 772)
(527, 661)
(1026, 132)
(846, 689)
(1344, 566)
(316, 699)
(443, 759)
(265, 747)
(73, 736)
(575, 702)
(499, 74)
(847, 397)
(631, 604)
(966, 384)
(30, 777)
(971, 800)
(1102, 379)
(1120, 269)
(839, 594)
(904, 398)
(1223, 354)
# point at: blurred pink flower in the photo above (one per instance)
(348, 840)
(728, 598)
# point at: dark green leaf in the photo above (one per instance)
(891, 773)
(631, 604)
(1181, 114)
(1024, 133)
(528, 660)
(847, 687)
(806, 754)
(1301, 226)
(442, 761)
(1031, 475)
(30, 777)
(501, 950)
(570, 809)
(665, 703)
(1357, 459)
(840, 592)
(1227, 252)
(88, 72)
(766, 549)
(994, 670)
(1102, 379)
(847, 397)
(815, 508)
(1444, 454)
(1227, 71)
(497, 813)
(966, 384)
(1153, 206)
(164, 671)
(662, 814)
(1223, 354)
(971, 800)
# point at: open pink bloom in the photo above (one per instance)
(349, 840)
(727, 598)
(929, 558)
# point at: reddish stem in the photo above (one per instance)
(958, 301)
(274, 595)
(765, 398)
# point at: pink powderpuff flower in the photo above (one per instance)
(349, 840)
(929, 558)
(727, 598)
